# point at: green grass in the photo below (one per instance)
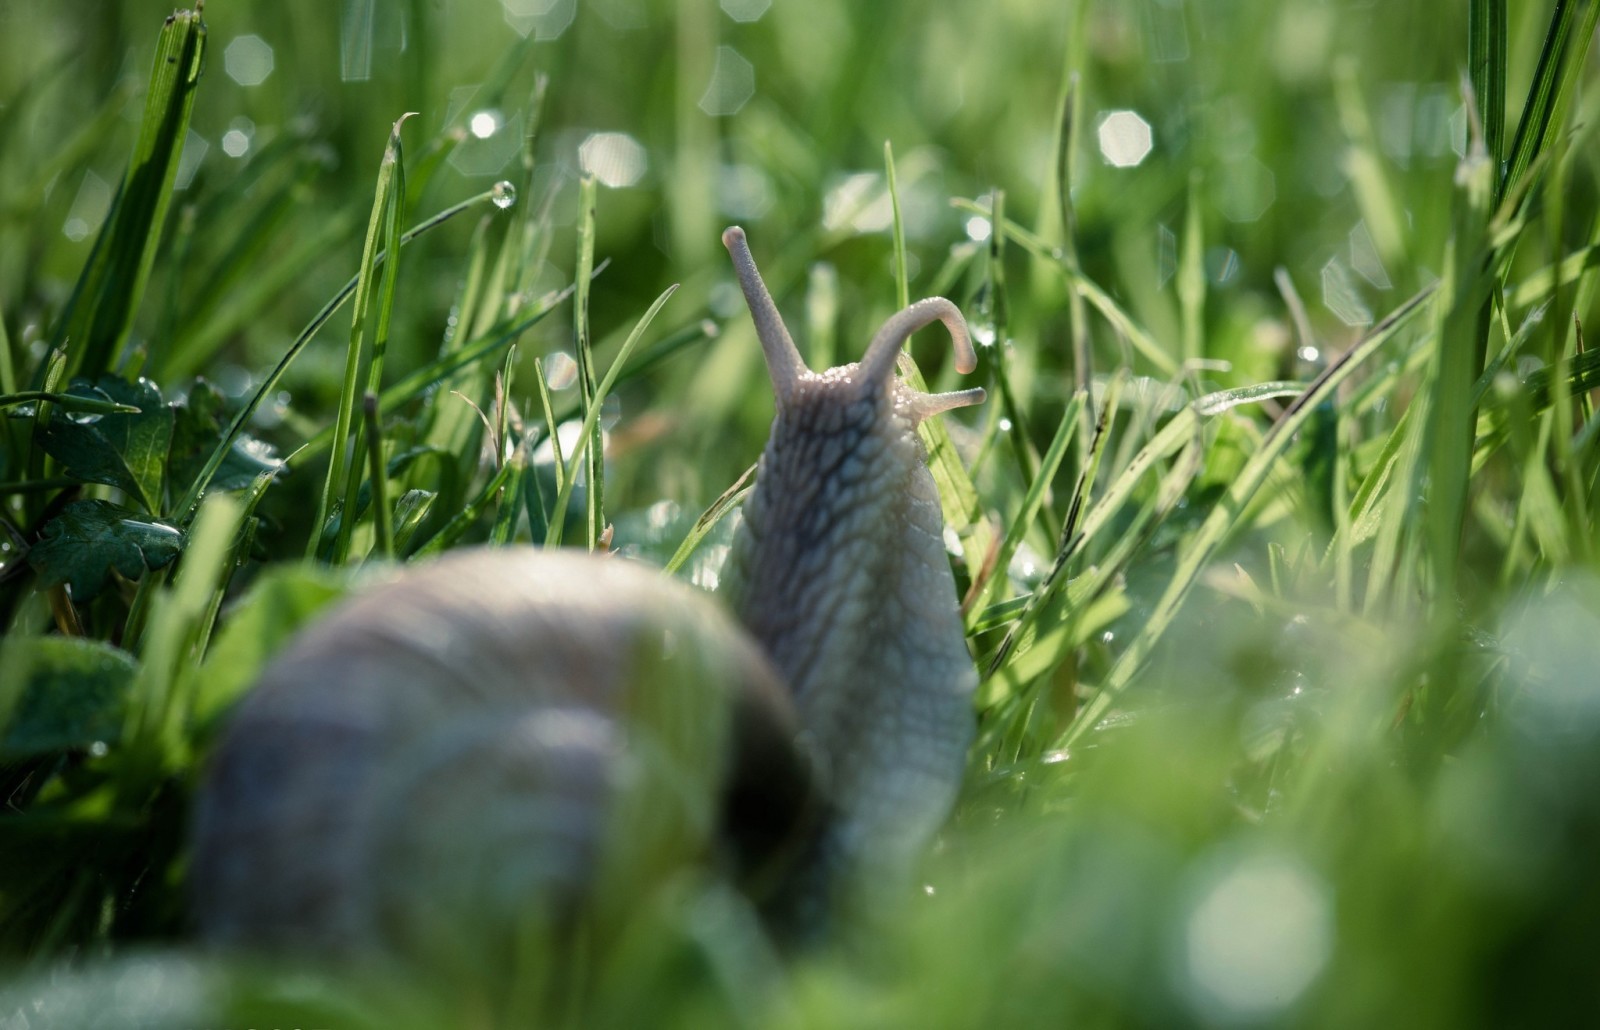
(1276, 536)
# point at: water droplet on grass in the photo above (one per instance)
(505, 194)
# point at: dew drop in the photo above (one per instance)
(504, 194)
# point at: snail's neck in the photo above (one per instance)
(839, 571)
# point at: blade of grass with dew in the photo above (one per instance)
(68, 402)
(345, 458)
(589, 433)
(1221, 521)
(464, 519)
(183, 509)
(94, 327)
(1070, 537)
(1024, 519)
(1019, 436)
(1152, 351)
(452, 428)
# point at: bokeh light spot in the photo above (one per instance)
(541, 19)
(248, 60)
(1340, 296)
(484, 124)
(745, 10)
(614, 158)
(89, 207)
(1259, 933)
(1125, 138)
(480, 154)
(1247, 189)
(733, 83)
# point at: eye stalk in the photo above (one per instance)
(785, 366)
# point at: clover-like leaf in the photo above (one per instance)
(88, 539)
(201, 422)
(121, 449)
(73, 695)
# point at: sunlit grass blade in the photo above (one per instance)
(1024, 519)
(902, 282)
(270, 382)
(1462, 320)
(1555, 82)
(95, 325)
(345, 462)
(1148, 347)
(1486, 65)
(726, 502)
(591, 450)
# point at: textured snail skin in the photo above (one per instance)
(839, 571)
(509, 734)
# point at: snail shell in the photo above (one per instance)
(456, 746)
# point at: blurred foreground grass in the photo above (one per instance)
(1278, 539)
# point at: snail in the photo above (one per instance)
(516, 735)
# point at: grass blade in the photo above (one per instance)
(1486, 65)
(1555, 81)
(94, 327)
(589, 435)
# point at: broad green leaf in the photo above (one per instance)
(88, 539)
(120, 449)
(72, 695)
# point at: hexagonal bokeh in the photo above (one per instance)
(542, 19)
(491, 142)
(614, 158)
(733, 83)
(1125, 138)
(745, 10)
(1341, 297)
(248, 60)
(1247, 189)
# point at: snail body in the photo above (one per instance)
(514, 734)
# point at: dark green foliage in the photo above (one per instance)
(81, 546)
(122, 450)
(72, 695)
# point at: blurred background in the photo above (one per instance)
(1261, 118)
